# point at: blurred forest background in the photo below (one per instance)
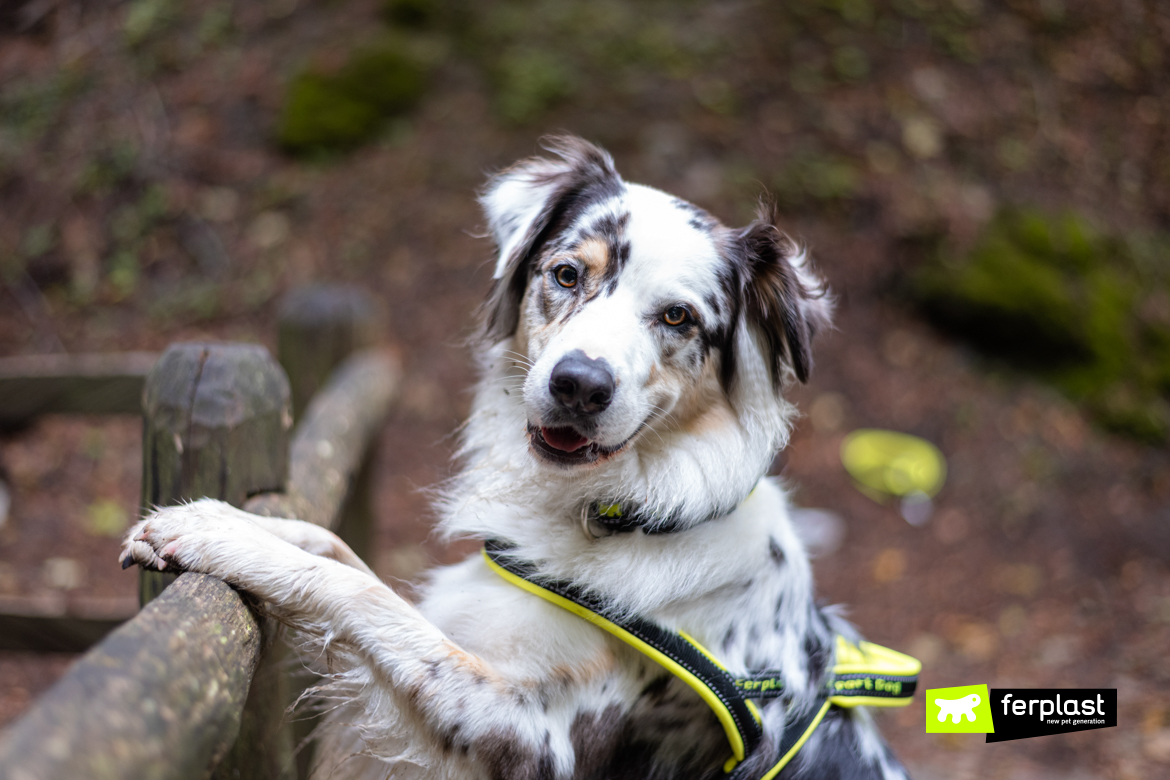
(985, 183)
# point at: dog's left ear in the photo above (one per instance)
(784, 298)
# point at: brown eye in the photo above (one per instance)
(566, 275)
(675, 315)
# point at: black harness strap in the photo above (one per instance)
(864, 674)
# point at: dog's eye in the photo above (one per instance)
(566, 275)
(676, 315)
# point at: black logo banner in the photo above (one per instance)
(1020, 713)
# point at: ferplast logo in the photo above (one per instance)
(962, 710)
(1019, 713)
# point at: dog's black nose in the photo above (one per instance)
(582, 385)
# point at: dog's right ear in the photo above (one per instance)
(530, 202)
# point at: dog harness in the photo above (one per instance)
(864, 673)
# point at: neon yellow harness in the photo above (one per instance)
(864, 673)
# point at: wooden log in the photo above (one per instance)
(51, 623)
(330, 443)
(31, 385)
(26, 625)
(158, 699)
(216, 424)
(320, 326)
(53, 633)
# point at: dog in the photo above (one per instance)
(634, 360)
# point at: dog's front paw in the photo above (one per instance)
(183, 538)
(136, 549)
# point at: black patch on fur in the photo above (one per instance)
(775, 551)
(818, 645)
(656, 689)
(450, 741)
(722, 337)
(619, 745)
(546, 304)
(595, 737)
(728, 638)
(584, 176)
(714, 303)
(612, 230)
(819, 656)
(832, 753)
(506, 759)
(700, 219)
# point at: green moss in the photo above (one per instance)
(145, 18)
(31, 109)
(412, 13)
(851, 63)
(215, 26)
(124, 272)
(818, 178)
(39, 240)
(108, 169)
(1156, 340)
(538, 53)
(529, 82)
(1056, 297)
(326, 112)
(1124, 412)
(385, 77)
(192, 301)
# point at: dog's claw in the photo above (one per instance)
(127, 562)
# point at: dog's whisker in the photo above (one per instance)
(516, 357)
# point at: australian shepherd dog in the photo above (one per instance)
(635, 352)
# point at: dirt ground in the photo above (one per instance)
(143, 201)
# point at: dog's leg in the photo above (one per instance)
(462, 703)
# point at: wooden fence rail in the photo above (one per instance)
(32, 385)
(167, 694)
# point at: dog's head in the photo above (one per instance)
(632, 311)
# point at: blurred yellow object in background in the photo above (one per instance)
(887, 463)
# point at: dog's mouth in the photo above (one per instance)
(565, 446)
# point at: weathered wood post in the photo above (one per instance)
(321, 326)
(216, 424)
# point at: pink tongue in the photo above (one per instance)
(563, 439)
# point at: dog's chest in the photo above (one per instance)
(620, 711)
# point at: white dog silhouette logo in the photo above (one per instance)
(957, 708)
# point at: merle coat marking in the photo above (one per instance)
(683, 334)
